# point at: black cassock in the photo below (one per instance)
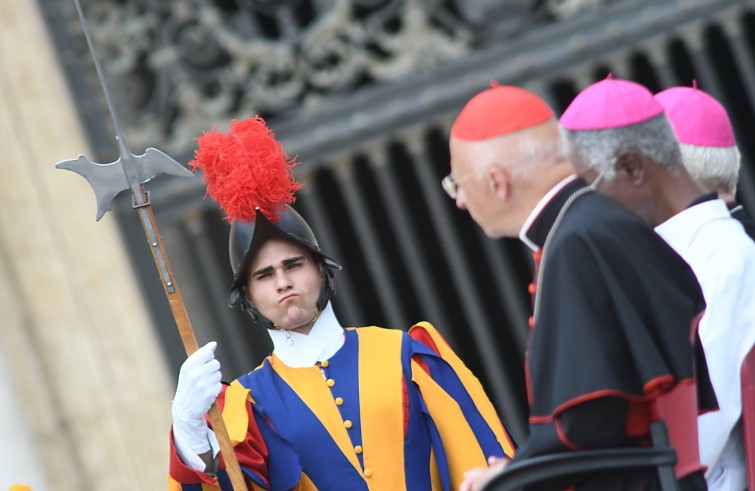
(739, 213)
(613, 326)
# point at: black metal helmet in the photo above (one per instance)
(245, 240)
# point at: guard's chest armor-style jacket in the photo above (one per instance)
(386, 412)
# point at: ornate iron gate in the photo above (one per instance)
(364, 92)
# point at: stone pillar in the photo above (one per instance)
(91, 389)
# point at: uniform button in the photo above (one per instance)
(339, 401)
(358, 449)
(330, 382)
(532, 288)
(531, 321)
(347, 424)
(367, 473)
(324, 363)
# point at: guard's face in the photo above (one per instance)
(284, 284)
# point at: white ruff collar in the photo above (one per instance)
(304, 350)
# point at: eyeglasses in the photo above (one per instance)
(451, 185)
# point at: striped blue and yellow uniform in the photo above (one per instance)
(389, 411)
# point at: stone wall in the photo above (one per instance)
(83, 374)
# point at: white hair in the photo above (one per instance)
(713, 168)
(530, 151)
(598, 149)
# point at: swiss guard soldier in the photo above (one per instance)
(331, 407)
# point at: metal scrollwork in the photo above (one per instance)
(178, 67)
(570, 8)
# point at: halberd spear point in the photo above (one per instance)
(131, 172)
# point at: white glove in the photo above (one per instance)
(198, 386)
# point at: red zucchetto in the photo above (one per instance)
(499, 110)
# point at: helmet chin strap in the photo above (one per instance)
(316, 316)
(289, 339)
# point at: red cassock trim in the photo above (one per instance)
(562, 436)
(599, 394)
(658, 385)
(638, 418)
(527, 380)
(677, 407)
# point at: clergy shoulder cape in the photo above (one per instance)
(617, 307)
(389, 411)
(612, 332)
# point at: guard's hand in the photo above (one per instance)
(198, 386)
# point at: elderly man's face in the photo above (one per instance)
(475, 189)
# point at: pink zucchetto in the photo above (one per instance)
(498, 111)
(610, 103)
(698, 119)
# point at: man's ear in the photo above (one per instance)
(499, 181)
(631, 167)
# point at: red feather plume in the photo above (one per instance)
(245, 169)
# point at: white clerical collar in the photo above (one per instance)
(680, 230)
(538, 209)
(304, 350)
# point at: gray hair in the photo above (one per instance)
(713, 168)
(598, 149)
